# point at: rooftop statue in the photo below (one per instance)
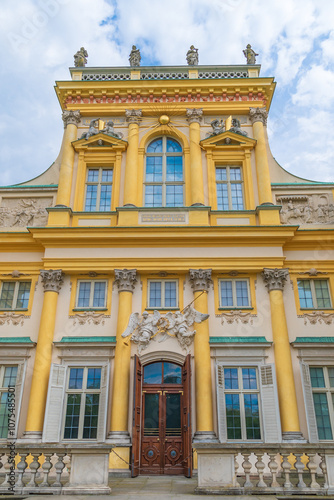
(218, 126)
(109, 130)
(134, 57)
(250, 54)
(92, 129)
(80, 58)
(236, 127)
(192, 56)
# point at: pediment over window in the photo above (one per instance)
(100, 141)
(228, 140)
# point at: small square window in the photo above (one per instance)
(15, 294)
(162, 294)
(234, 293)
(91, 294)
(314, 294)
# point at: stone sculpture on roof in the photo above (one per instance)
(80, 58)
(218, 126)
(250, 54)
(134, 57)
(192, 56)
(236, 127)
(109, 130)
(92, 129)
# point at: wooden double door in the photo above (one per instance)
(161, 420)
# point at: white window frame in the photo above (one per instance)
(228, 182)
(314, 295)
(99, 183)
(16, 291)
(162, 281)
(234, 294)
(91, 295)
(328, 390)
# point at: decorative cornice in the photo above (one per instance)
(52, 280)
(258, 115)
(194, 115)
(12, 317)
(200, 279)
(133, 115)
(90, 317)
(236, 316)
(275, 278)
(125, 279)
(71, 117)
(317, 317)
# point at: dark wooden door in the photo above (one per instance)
(186, 418)
(135, 452)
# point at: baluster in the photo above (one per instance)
(273, 466)
(34, 466)
(260, 466)
(69, 465)
(312, 466)
(247, 468)
(21, 467)
(59, 466)
(300, 469)
(7, 468)
(236, 467)
(46, 467)
(323, 467)
(286, 466)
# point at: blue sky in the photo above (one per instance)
(294, 39)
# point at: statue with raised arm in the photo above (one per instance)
(218, 126)
(179, 325)
(250, 54)
(80, 58)
(192, 56)
(142, 328)
(109, 130)
(236, 127)
(134, 57)
(92, 129)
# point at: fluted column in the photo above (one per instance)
(194, 117)
(71, 120)
(200, 280)
(125, 279)
(52, 281)
(275, 280)
(133, 117)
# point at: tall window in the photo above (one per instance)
(164, 174)
(7, 378)
(91, 294)
(98, 189)
(229, 188)
(14, 294)
(314, 294)
(322, 381)
(234, 293)
(242, 403)
(82, 403)
(162, 293)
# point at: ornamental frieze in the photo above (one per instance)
(306, 209)
(89, 318)
(236, 317)
(317, 317)
(23, 212)
(12, 318)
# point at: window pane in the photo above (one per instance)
(107, 174)
(9, 380)
(7, 295)
(99, 294)
(84, 294)
(173, 146)
(172, 373)
(317, 377)
(151, 415)
(322, 293)
(174, 169)
(170, 294)
(331, 376)
(174, 196)
(72, 416)
(154, 169)
(76, 377)
(242, 293)
(305, 294)
(231, 378)
(155, 294)
(235, 174)
(105, 198)
(91, 416)
(155, 146)
(93, 175)
(94, 378)
(226, 295)
(233, 421)
(237, 199)
(252, 416)
(249, 378)
(23, 295)
(153, 373)
(222, 197)
(221, 174)
(173, 414)
(153, 196)
(322, 416)
(10, 376)
(91, 197)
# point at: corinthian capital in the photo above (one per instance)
(133, 115)
(275, 278)
(52, 280)
(71, 117)
(194, 115)
(258, 115)
(200, 279)
(126, 279)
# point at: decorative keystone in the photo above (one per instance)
(258, 115)
(133, 115)
(200, 279)
(194, 115)
(71, 117)
(52, 280)
(275, 278)
(126, 279)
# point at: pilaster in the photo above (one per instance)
(133, 117)
(194, 117)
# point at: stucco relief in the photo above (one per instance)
(236, 317)
(12, 318)
(90, 318)
(317, 317)
(302, 209)
(23, 212)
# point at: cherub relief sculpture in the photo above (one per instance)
(143, 328)
(92, 129)
(179, 325)
(109, 130)
(236, 127)
(80, 58)
(218, 126)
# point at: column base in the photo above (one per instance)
(205, 436)
(119, 438)
(31, 436)
(293, 437)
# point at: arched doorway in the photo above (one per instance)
(161, 438)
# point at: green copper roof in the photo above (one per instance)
(71, 340)
(239, 340)
(16, 340)
(314, 340)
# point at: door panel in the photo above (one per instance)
(135, 453)
(186, 418)
(173, 449)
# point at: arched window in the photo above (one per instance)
(164, 173)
